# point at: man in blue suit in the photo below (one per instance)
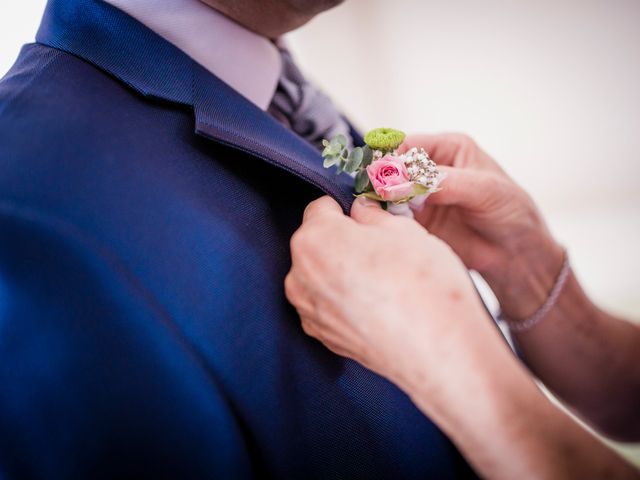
(153, 166)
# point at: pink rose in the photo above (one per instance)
(390, 178)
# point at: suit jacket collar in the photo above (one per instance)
(118, 44)
(250, 63)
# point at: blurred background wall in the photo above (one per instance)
(550, 88)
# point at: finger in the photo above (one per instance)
(453, 149)
(292, 289)
(368, 211)
(321, 207)
(297, 294)
(443, 148)
(466, 188)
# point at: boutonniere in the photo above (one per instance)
(396, 180)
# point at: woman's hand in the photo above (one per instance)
(490, 222)
(381, 290)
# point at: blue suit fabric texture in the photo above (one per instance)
(145, 216)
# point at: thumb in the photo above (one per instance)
(465, 188)
(365, 210)
(321, 207)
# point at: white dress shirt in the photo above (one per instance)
(247, 62)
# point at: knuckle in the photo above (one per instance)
(309, 209)
(503, 186)
(299, 241)
(493, 183)
(318, 206)
(309, 328)
(290, 286)
(403, 225)
(464, 140)
(325, 201)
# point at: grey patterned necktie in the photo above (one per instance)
(303, 108)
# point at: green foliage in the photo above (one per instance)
(335, 146)
(384, 139)
(367, 156)
(372, 195)
(419, 189)
(362, 181)
(337, 154)
(330, 161)
(354, 160)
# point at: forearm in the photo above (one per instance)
(588, 358)
(506, 428)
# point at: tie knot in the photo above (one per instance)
(304, 108)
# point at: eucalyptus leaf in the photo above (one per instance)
(341, 139)
(362, 181)
(330, 161)
(334, 146)
(367, 156)
(354, 160)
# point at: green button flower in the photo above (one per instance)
(384, 139)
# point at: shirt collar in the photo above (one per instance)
(247, 62)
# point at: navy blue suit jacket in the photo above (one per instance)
(145, 216)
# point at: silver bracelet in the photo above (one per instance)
(533, 320)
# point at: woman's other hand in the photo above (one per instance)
(490, 222)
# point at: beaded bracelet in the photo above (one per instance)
(533, 320)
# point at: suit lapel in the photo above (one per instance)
(126, 49)
(225, 116)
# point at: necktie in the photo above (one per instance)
(303, 108)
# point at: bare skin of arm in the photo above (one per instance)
(512, 430)
(425, 330)
(587, 357)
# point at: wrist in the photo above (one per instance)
(499, 398)
(467, 359)
(488, 393)
(522, 283)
